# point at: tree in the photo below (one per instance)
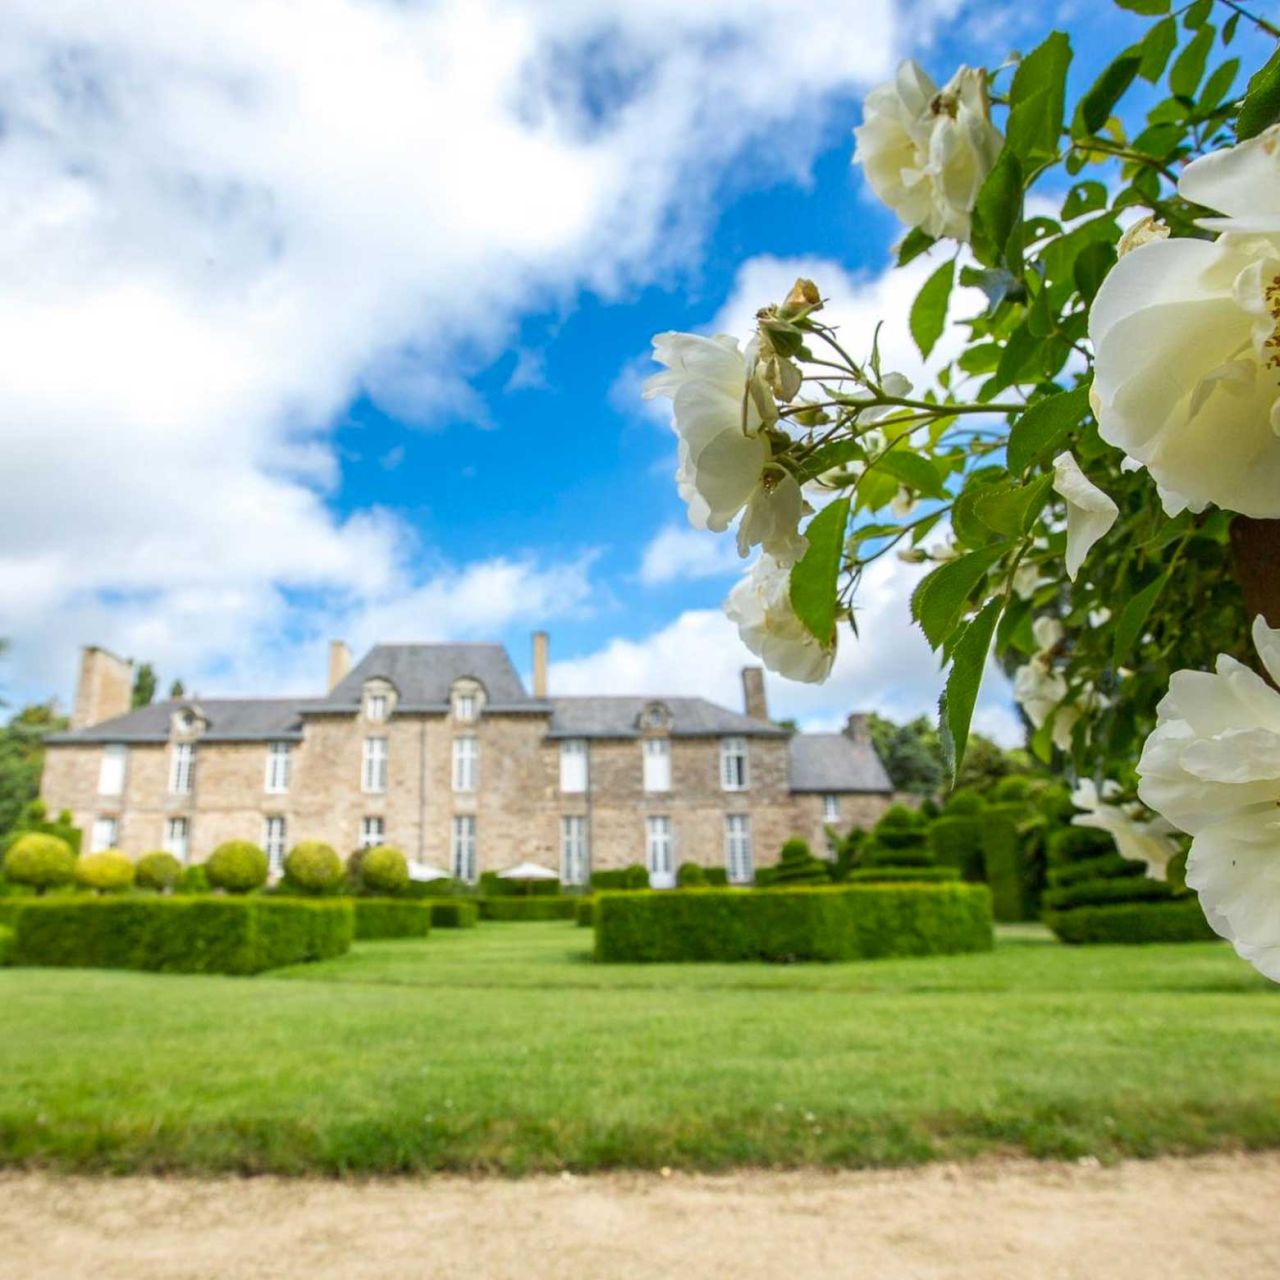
(144, 685)
(177, 689)
(22, 758)
(910, 752)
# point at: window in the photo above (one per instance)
(177, 838)
(573, 765)
(376, 707)
(657, 764)
(273, 842)
(372, 831)
(182, 768)
(373, 772)
(466, 763)
(465, 706)
(462, 853)
(733, 764)
(737, 848)
(831, 808)
(573, 850)
(277, 782)
(659, 853)
(111, 771)
(104, 834)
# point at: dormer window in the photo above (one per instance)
(465, 707)
(375, 707)
(656, 717)
(466, 699)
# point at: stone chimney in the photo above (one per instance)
(858, 727)
(104, 689)
(539, 664)
(753, 696)
(339, 663)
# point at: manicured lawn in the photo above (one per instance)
(506, 1048)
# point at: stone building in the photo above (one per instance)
(440, 750)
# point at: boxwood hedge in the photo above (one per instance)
(807, 923)
(586, 912)
(535, 908)
(1177, 920)
(6, 944)
(391, 918)
(452, 913)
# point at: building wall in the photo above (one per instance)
(856, 810)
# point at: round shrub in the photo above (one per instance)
(107, 871)
(384, 870)
(689, 875)
(964, 802)
(238, 866)
(40, 861)
(313, 867)
(159, 871)
(1016, 787)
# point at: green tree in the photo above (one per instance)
(144, 685)
(177, 689)
(22, 758)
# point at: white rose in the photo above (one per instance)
(1186, 336)
(1041, 690)
(760, 605)
(1150, 841)
(925, 152)
(1211, 766)
(1090, 513)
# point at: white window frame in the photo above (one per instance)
(111, 769)
(276, 780)
(734, 772)
(831, 808)
(182, 768)
(177, 838)
(575, 850)
(273, 840)
(466, 763)
(376, 707)
(657, 765)
(660, 851)
(738, 857)
(466, 707)
(574, 766)
(462, 848)
(373, 766)
(373, 831)
(104, 834)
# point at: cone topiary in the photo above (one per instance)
(797, 865)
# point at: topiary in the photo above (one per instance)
(899, 843)
(1017, 786)
(690, 875)
(797, 865)
(40, 861)
(384, 870)
(313, 867)
(237, 866)
(193, 880)
(159, 871)
(964, 802)
(107, 871)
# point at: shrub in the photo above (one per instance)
(313, 867)
(536, 908)
(107, 871)
(900, 875)
(391, 918)
(586, 912)
(1002, 862)
(1015, 788)
(193, 879)
(237, 866)
(159, 871)
(1075, 844)
(6, 944)
(717, 877)
(1103, 866)
(180, 935)
(632, 877)
(384, 871)
(955, 840)
(796, 865)
(40, 861)
(691, 875)
(34, 819)
(1177, 920)
(806, 923)
(492, 885)
(453, 913)
(445, 887)
(1102, 891)
(964, 802)
(898, 844)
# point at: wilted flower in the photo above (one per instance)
(1090, 513)
(760, 605)
(1148, 840)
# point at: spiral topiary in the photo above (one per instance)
(384, 870)
(106, 871)
(237, 866)
(40, 861)
(159, 871)
(313, 867)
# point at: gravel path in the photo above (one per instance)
(1165, 1219)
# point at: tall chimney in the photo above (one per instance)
(753, 695)
(104, 689)
(857, 727)
(339, 663)
(539, 664)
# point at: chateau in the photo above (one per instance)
(440, 750)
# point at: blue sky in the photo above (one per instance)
(303, 354)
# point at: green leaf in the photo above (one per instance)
(1188, 66)
(1012, 509)
(938, 603)
(1197, 14)
(1084, 197)
(929, 310)
(912, 470)
(1036, 100)
(998, 209)
(813, 579)
(1261, 106)
(1148, 8)
(1133, 618)
(1156, 47)
(1091, 268)
(829, 456)
(1217, 86)
(961, 693)
(1229, 28)
(914, 243)
(1045, 424)
(1096, 106)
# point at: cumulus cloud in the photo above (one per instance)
(677, 554)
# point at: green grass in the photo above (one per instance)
(505, 1048)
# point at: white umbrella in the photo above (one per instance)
(527, 871)
(422, 871)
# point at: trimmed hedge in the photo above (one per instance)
(1103, 892)
(956, 841)
(1002, 861)
(805, 923)
(1108, 866)
(1178, 920)
(534, 908)
(453, 913)
(237, 935)
(6, 944)
(492, 885)
(586, 912)
(391, 918)
(632, 877)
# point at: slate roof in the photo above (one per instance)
(230, 720)
(617, 718)
(834, 762)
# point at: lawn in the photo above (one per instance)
(506, 1048)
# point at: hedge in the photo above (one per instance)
(453, 913)
(1108, 866)
(492, 885)
(391, 918)
(1178, 920)
(632, 877)
(805, 923)
(237, 935)
(6, 944)
(1104, 892)
(1002, 862)
(535, 908)
(586, 912)
(956, 841)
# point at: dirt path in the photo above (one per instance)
(1167, 1219)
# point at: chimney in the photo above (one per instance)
(339, 663)
(104, 689)
(539, 664)
(858, 728)
(753, 696)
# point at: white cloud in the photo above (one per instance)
(678, 554)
